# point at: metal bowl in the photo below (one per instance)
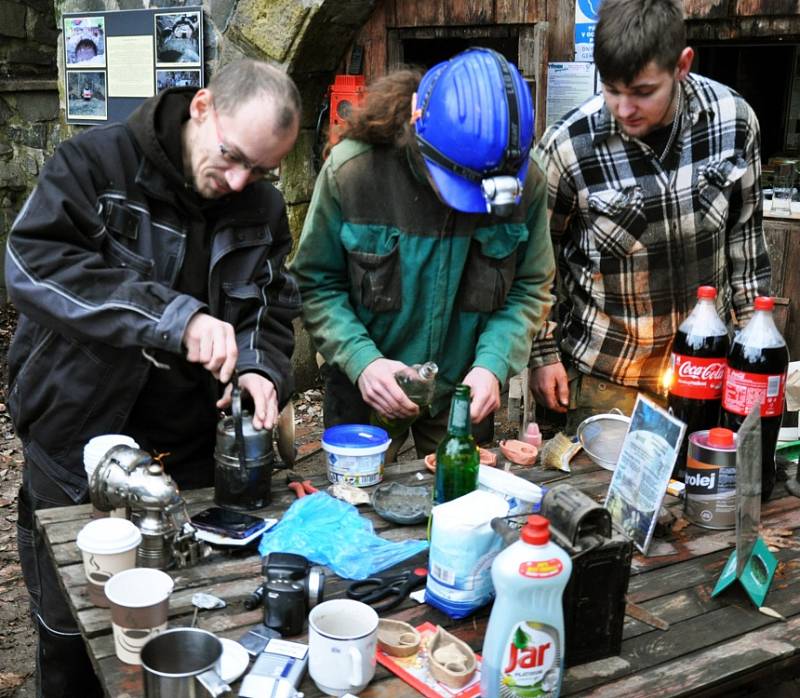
(601, 437)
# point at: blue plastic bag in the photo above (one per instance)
(331, 532)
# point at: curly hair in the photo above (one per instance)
(385, 116)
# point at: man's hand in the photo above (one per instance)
(550, 386)
(380, 391)
(264, 397)
(485, 393)
(211, 342)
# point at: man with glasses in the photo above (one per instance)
(147, 267)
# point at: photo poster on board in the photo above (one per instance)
(115, 60)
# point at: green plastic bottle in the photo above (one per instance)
(457, 459)
(418, 383)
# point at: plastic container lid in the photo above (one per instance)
(719, 437)
(98, 446)
(108, 536)
(508, 484)
(536, 531)
(707, 292)
(355, 440)
(764, 303)
(138, 587)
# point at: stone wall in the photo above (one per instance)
(307, 37)
(29, 114)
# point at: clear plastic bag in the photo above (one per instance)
(330, 532)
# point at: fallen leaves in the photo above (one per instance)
(9, 680)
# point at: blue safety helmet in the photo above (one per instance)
(475, 131)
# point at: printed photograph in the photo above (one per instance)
(177, 78)
(85, 41)
(178, 38)
(86, 95)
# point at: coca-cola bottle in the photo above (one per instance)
(697, 368)
(756, 373)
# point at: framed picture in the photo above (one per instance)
(178, 37)
(87, 97)
(85, 42)
(177, 78)
(643, 470)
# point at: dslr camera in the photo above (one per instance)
(292, 587)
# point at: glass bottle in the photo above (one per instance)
(457, 460)
(418, 383)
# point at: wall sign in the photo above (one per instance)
(116, 60)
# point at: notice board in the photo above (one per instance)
(115, 60)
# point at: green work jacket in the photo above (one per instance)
(386, 269)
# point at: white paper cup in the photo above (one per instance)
(108, 546)
(342, 640)
(139, 600)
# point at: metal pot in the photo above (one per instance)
(243, 459)
(181, 663)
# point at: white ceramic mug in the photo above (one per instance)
(342, 639)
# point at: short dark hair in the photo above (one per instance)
(246, 79)
(632, 33)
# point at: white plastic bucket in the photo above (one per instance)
(355, 453)
(522, 496)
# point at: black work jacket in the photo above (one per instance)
(91, 264)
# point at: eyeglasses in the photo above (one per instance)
(237, 159)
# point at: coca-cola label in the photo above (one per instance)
(696, 378)
(744, 390)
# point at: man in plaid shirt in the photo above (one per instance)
(653, 190)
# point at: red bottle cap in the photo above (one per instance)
(720, 437)
(764, 303)
(707, 292)
(536, 531)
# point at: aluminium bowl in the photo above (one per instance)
(602, 436)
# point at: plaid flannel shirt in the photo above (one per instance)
(634, 240)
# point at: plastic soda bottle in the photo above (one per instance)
(523, 651)
(418, 383)
(457, 458)
(697, 368)
(758, 362)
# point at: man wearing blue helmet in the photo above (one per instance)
(426, 240)
(654, 190)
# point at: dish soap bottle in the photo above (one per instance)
(418, 383)
(523, 651)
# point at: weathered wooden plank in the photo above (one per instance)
(705, 9)
(561, 20)
(420, 13)
(471, 12)
(767, 7)
(519, 11)
(713, 667)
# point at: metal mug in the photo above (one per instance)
(181, 663)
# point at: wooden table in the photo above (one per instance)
(713, 647)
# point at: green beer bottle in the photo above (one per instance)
(457, 459)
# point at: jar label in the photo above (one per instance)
(531, 661)
(541, 569)
(744, 390)
(696, 378)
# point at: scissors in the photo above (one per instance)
(394, 589)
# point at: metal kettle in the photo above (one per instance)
(243, 459)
